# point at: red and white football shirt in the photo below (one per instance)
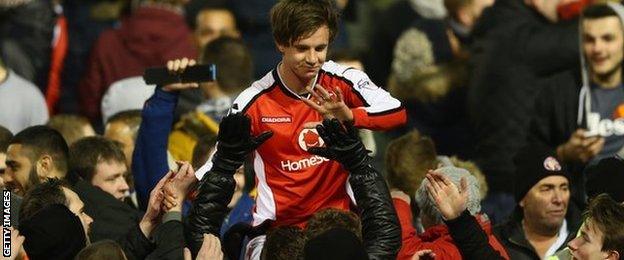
(292, 183)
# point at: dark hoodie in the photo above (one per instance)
(561, 108)
(514, 48)
(149, 37)
(53, 233)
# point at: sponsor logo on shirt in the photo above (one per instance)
(604, 127)
(276, 119)
(309, 138)
(304, 163)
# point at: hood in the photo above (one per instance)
(152, 33)
(431, 9)
(585, 96)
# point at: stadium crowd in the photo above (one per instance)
(333, 129)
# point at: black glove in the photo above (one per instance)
(342, 144)
(234, 142)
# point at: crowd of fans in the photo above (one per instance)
(335, 129)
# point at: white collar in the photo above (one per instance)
(561, 239)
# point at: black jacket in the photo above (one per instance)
(381, 229)
(513, 48)
(116, 220)
(112, 218)
(511, 235)
(391, 23)
(555, 120)
(209, 208)
(380, 225)
(556, 110)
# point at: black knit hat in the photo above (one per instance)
(606, 177)
(533, 163)
(53, 233)
(335, 244)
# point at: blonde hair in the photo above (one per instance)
(408, 158)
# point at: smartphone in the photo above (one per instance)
(199, 73)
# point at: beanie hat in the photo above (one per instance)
(126, 94)
(336, 243)
(534, 163)
(53, 233)
(606, 177)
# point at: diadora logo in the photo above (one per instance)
(309, 138)
(276, 119)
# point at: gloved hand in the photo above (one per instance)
(342, 144)
(234, 142)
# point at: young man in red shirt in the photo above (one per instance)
(290, 100)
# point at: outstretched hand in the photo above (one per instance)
(450, 200)
(154, 211)
(580, 147)
(234, 143)
(330, 104)
(178, 187)
(342, 143)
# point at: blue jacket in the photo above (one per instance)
(149, 160)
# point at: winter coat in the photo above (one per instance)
(149, 37)
(380, 226)
(511, 234)
(440, 239)
(513, 48)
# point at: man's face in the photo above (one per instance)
(212, 24)
(2, 163)
(588, 246)
(120, 132)
(19, 170)
(109, 176)
(603, 42)
(76, 206)
(304, 57)
(546, 203)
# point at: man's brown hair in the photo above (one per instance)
(284, 243)
(132, 118)
(608, 216)
(233, 61)
(86, 153)
(292, 20)
(330, 218)
(408, 158)
(102, 250)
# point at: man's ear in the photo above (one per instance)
(521, 203)
(613, 255)
(280, 48)
(45, 165)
